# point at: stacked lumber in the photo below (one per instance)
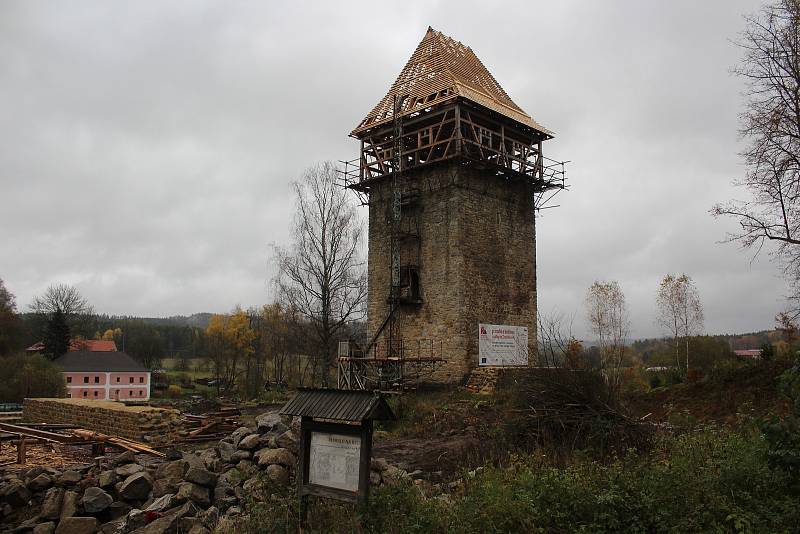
(210, 425)
(123, 443)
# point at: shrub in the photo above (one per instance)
(27, 375)
(565, 410)
(655, 381)
(174, 391)
(700, 482)
(783, 434)
(694, 376)
(633, 382)
(674, 377)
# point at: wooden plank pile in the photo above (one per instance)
(210, 425)
(66, 435)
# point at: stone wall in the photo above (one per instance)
(141, 423)
(476, 260)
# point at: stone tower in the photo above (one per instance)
(451, 169)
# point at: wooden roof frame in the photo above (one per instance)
(443, 69)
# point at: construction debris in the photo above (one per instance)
(210, 426)
(123, 443)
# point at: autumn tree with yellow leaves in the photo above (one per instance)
(230, 340)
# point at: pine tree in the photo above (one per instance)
(56, 335)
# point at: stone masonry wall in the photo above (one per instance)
(476, 259)
(140, 423)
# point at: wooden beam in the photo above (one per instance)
(37, 433)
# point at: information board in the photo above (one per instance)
(334, 460)
(502, 344)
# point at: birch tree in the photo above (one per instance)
(607, 314)
(321, 275)
(680, 311)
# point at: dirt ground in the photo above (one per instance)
(53, 455)
(446, 454)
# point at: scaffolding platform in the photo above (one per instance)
(399, 365)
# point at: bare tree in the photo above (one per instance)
(607, 313)
(680, 311)
(272, 326)
(321, 275)
(556, 342)
(77, 311)
(61, 297)
(771, 125)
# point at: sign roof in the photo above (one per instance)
(338, 404)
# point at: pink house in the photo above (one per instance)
(108, 375)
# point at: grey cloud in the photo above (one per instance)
(146, 149)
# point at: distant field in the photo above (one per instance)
(170, 363)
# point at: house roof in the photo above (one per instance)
(92, 361)
(91, 345)
(338, 404)
(442, 69)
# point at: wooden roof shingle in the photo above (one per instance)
(338, 404)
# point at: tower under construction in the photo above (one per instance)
(453, 173)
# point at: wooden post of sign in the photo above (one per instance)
(302, 473)
(364, 464)
(21, 450)
(364, 467)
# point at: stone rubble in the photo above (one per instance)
(197, 492)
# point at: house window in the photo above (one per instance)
(97, 380)
(85, 394)
(95, 393)
(69, 395)
(85, 379)
(130, 392)
(141, 380)
(141, 393)
(117, 379)
(131, 380)
(69, 380)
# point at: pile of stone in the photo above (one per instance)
(194, 492)
(190, 492)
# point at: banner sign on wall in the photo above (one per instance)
(502, 344)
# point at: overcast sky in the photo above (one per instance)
(146, 148)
